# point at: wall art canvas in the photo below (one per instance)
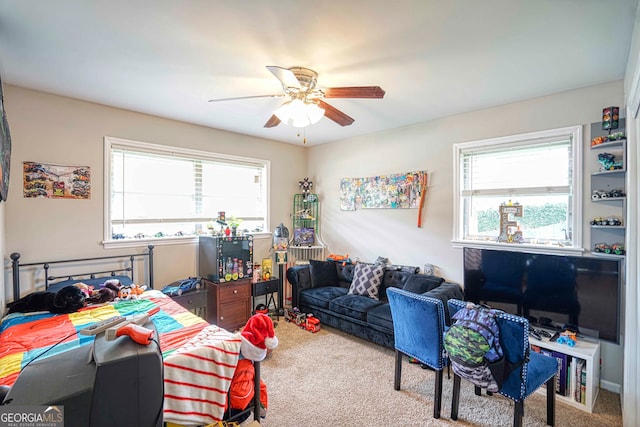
(394, 191)
(5, 149)
(56, 181)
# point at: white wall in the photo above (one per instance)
(393, 233)
(58, 130)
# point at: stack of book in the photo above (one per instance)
(571, 379)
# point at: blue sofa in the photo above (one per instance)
(322, 288)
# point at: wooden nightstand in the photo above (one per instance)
(195, 301)
(229, 303)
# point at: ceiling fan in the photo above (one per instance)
(306, 103)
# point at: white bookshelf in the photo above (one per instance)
(584, 349)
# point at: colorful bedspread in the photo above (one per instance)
(199, 359)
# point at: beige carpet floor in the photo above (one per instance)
(334, 379)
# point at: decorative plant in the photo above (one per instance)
(234, 222)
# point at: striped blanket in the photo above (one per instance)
(199, 358)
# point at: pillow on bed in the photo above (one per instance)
(95, 282)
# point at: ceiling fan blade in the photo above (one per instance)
(237, 98)
(285, 75)
(354, 92)
(272, 122)
(336, 115)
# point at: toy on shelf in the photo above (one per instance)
(610, 118)
(569, 338)
(608, 162)
(601, 194)
(182, 286)
(611, 221)
(305, 186)
(267, 268)
(617, 136)
(615, 249)
(304, 214)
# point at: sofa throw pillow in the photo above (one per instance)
(323, 273)
(421, 283)
(367, 279)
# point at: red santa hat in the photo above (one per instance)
(257, 337)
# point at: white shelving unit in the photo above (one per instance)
(606, 181)
(587, 350)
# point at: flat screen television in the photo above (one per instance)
(551, 290)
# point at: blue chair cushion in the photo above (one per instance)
(418, 323)
(320, 297)
(539, 369)
(355, 306)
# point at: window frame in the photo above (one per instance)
(110, 142)
(575, 132)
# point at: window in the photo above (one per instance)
(535, 175)
(154, 191)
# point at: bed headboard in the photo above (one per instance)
(129, 270)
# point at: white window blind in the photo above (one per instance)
(531, 169)
(538, 171)
(157, 191)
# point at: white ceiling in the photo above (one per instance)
(433, 58)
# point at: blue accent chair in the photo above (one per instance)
(418, 327)
(531, 372)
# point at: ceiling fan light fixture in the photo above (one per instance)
(298, 113)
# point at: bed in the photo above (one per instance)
(199, 359)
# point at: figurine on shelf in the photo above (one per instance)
(305, 187)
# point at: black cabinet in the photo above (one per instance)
(215, 252)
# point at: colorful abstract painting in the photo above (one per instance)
(395, 191)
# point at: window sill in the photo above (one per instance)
(518, 247)
(163, 241)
